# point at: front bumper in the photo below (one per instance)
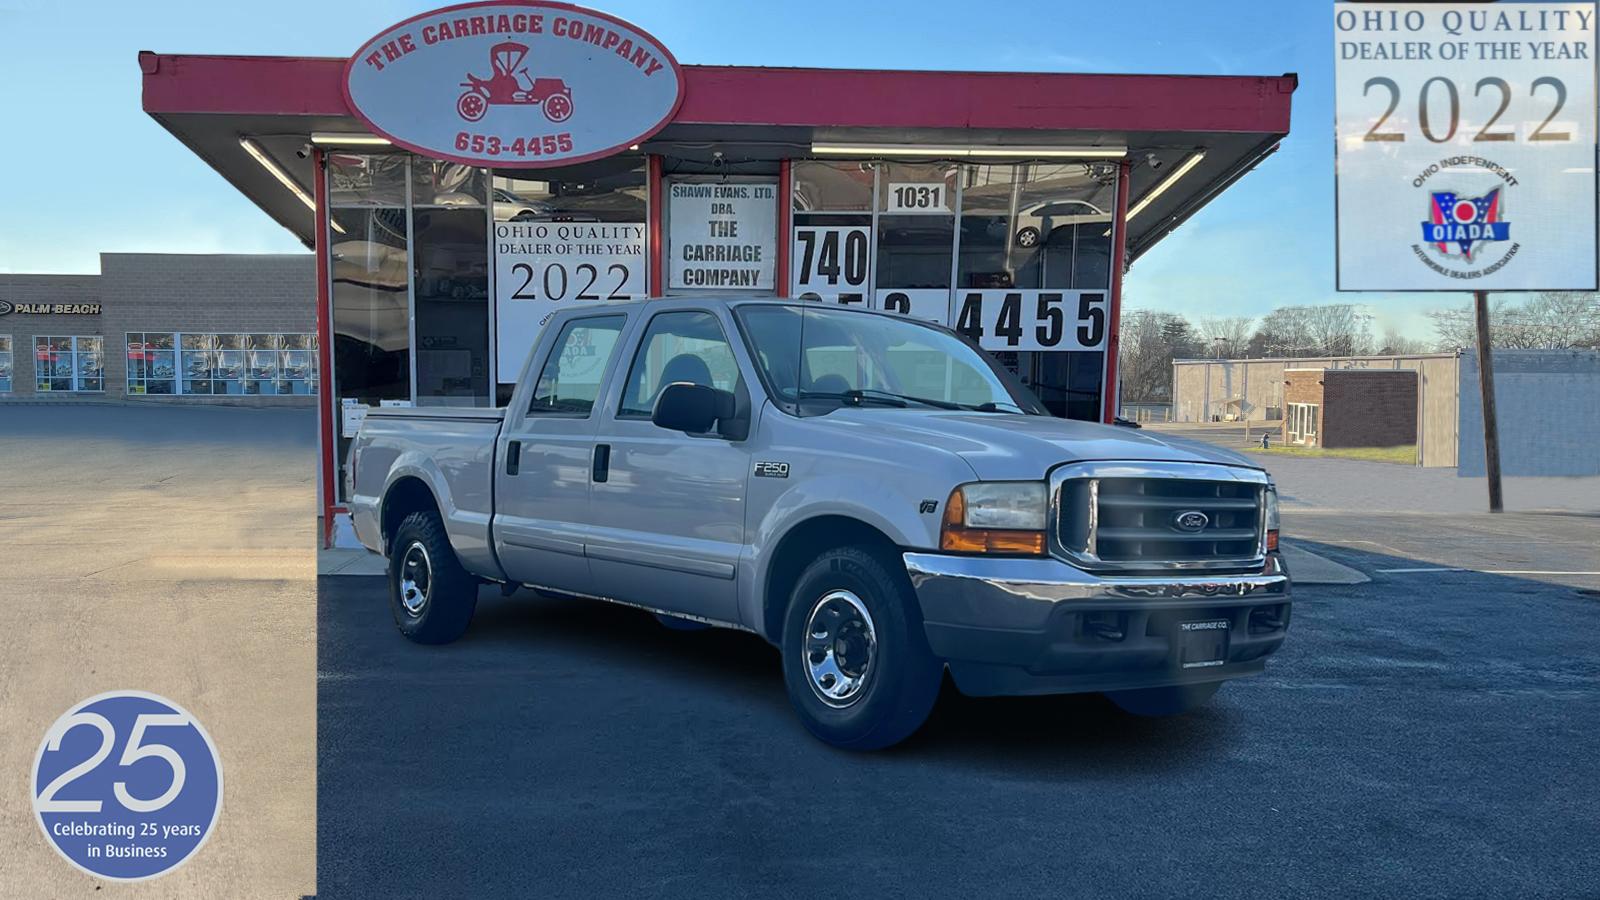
(1041, 626)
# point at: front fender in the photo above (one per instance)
(904, 510)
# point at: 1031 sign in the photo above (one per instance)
(1004, 319)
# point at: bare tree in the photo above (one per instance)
(1552, 320)
(1396, 344)
(1338, 329)
(1150, 341)
(1227, 335)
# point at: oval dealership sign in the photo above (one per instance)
(514, 84)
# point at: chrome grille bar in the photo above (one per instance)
(1123, 516)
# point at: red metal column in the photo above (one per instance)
(1119, 256)
(325, 400)
(785, 205)
(658, 250)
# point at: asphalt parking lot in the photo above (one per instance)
(171, 550)
(1428, 733)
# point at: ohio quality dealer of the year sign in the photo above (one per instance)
(1465, 155)
(514, 84)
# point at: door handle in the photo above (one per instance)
(513, 457)
(602, 462)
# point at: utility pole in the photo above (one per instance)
(1491, 428)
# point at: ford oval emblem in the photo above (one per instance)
(1190, 521)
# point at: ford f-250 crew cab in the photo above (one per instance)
(870, 493)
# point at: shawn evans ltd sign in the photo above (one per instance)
(514, 84)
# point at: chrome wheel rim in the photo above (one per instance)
(841, 646)
(416, 579)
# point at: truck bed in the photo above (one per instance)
(449, 449)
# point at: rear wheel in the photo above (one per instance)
(431, 596)
(855, 659)
(1165, 701)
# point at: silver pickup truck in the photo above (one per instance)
(870, 493)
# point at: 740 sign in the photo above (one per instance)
(1032, 319)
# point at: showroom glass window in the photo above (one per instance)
(831, 240)
(5, 364)
(450, 283)
(1041, 225)
(916, 234)
(226, 364)
(369, 270)
(610, 191)
(68, 364)
(152, 362)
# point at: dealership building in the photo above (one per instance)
(164, 328)
(469, 171)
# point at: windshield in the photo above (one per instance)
(816, 359)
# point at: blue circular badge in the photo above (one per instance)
(127, 785)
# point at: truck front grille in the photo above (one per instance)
(1148, 516)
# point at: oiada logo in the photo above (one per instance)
(515, 83)
(1462, 230)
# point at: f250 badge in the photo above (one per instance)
(772, 470)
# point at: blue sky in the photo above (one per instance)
(87, 170)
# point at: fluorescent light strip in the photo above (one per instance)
(968, 152)
(260, 156)
(342, 139)
(1169, 181)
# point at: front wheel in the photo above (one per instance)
(431, 596)
(856, 662)
(1165, 701)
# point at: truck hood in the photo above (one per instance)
(1003, 447)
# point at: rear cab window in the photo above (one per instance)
(570, 380)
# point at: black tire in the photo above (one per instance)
(900, 682)
(1165, 701)
(440, 612)
(1028, 237)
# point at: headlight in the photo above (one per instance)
(996, 517)
(1272, 517)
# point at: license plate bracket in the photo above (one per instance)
(1203, 644)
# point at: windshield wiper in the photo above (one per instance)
(858, 396)
(993, 407)
(852, 396)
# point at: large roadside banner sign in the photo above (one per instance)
(1465, 154)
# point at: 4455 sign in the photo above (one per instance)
(1005, 319)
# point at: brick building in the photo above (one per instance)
(1350, 407)
(178, 328)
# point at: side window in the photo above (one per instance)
(570, 379)
(678, 346)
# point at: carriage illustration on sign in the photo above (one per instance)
(511, 84)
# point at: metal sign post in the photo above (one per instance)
(1491, 428)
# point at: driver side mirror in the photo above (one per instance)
(691, 408)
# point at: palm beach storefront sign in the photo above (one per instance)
(49, 309)
(514, 84)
